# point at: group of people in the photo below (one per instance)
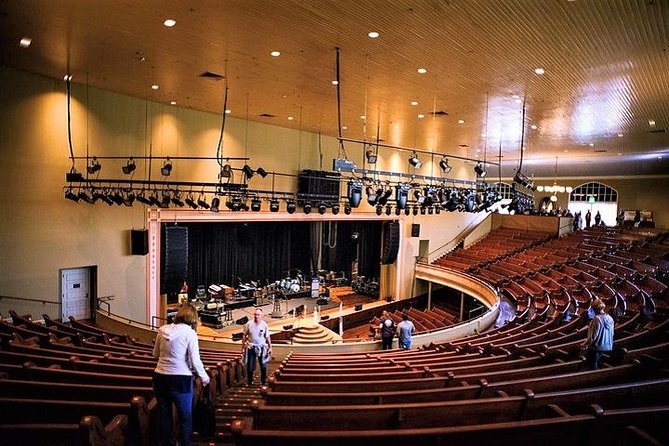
(388, 330)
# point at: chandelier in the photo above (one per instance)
(555, 188)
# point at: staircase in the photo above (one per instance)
(235, 404)
(316, 334)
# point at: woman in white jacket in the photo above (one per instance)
(178, 356)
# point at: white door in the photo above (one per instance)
(75, 292)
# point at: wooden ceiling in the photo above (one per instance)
(601, 106)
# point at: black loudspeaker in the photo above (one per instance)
(358, 307)
(288, 327)
(139, 242)
(237, 336)
(242, 321)
(415, 230)
(175, 260)
(325, 318)
(391, 242)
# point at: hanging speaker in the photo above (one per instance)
(139, 242)
(175, 261)
(415, 230)
(391, 242)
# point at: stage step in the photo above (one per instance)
(312, 335)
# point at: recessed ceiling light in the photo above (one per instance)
(534, 126)
(565, 151)
(478, 150)
(422, 71)
(170, 23)
(228, 111)
(25, 42)
(523, 148)
(373, 34)
(363, 117)
(414, 103)
(290, 118)
(539, 71)
(67, 77)
(421, 116)
(592, 144)
(659, 157)
(155, 87)
(461, 121)
(275, 53)
(620, 135)
(343, 127)
(518, 100)
(335, 82)
(173, 102)
(620, 153)
(651, 122)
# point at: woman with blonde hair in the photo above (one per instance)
(178, 354)
(600, 334)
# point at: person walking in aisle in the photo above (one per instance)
(405, 330)
(256, 344)
(600, 335)
(178, 354)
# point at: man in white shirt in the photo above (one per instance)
(256, 344)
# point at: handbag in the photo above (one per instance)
(204, 417)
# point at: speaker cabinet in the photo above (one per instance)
(175, 260)
(415, 230)
(358, 307)
(139, 242)
(391, 242)
(242, 321)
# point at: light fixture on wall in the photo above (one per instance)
(480, 170)
(166, 170)
(443, 164)
(94, 167)
(129, 167)
(415, 161)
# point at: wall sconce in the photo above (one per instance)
(94, 167)
(414, 161)
(166, 170)
(129, 167)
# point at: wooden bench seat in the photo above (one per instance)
(88, 432)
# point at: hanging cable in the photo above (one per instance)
(219, 156)
(342, 150)
(522, 137)
(69, 119)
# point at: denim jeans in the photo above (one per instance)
(251, 357)
(174, 390)
(405, 344)
(593, 359)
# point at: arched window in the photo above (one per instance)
(600, 193)
(597, 199)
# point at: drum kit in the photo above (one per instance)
(290, 285)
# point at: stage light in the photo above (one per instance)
(407, 210)
(420, 198)
(226, 171)
(414, 161)
(83, 196)
(118, 198)
(322, 207)
(215, 203)
(166, 170)
(274, 205)
(415, 210)
(443, 164)
(480, 170)
(291, 206)
(165, 201)
(371, 156)
(190, 201)
(154, 199)
(71, 195)
(248, 171)
(389, 210)
(256, 204)
(129, 199)
(354, 193)
(129, 167)
(398, 211)
(307, 208)
(347, 209)
(372, 196)
(141, 198)
(401, 195)
(383, 196)
(335, 209)
(94, 167)
(202, 202)
(262, 172)
(379, 210)
(176, 200)
(422, 210)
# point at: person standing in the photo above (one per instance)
(600, 335)
(387, 328)
(588, 217)
(178, 354)
(257, 345)
(598, 218)
(405, 330)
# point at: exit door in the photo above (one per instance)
(75, 293)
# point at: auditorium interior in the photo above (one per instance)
(486, 168)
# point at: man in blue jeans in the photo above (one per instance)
(600, 334)
(256, 344)
(405, 330)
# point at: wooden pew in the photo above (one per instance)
(88, 432)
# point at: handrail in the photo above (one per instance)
(455, 240)
(105, 300)
(27, 299)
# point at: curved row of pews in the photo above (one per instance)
(75, 384)
(524, 381)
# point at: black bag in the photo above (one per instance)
(204, 418)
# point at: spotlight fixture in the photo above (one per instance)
(141, 198)
(407, 210)
(307, 208)
(129, 199)
(291, 206)
(379, 210)
(443, 164)
(129, 167)
(398, 211)
(176, 200)
(166, 170)
(402, 195)
(414, 161)
(335, 209)
(248, 171)
(84, 196)
(383, 197)
(415, 210)
(190, 201)
(354, 193)
(262, 172)
(372, 196)
(389, 209)
(274, 205)
(523, 180)
(165, 201)
(215, 203)
(71, 195)
(480, 170)
(371, 156)
(256, 204)
(226, 171)
(94, 167)
(202, 202)
(347, 209)
(322, 207)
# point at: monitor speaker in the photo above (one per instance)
(358, 307)
(242, 321)
(139, 242)
(237, 336)
(288, 327)
(325, 318)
